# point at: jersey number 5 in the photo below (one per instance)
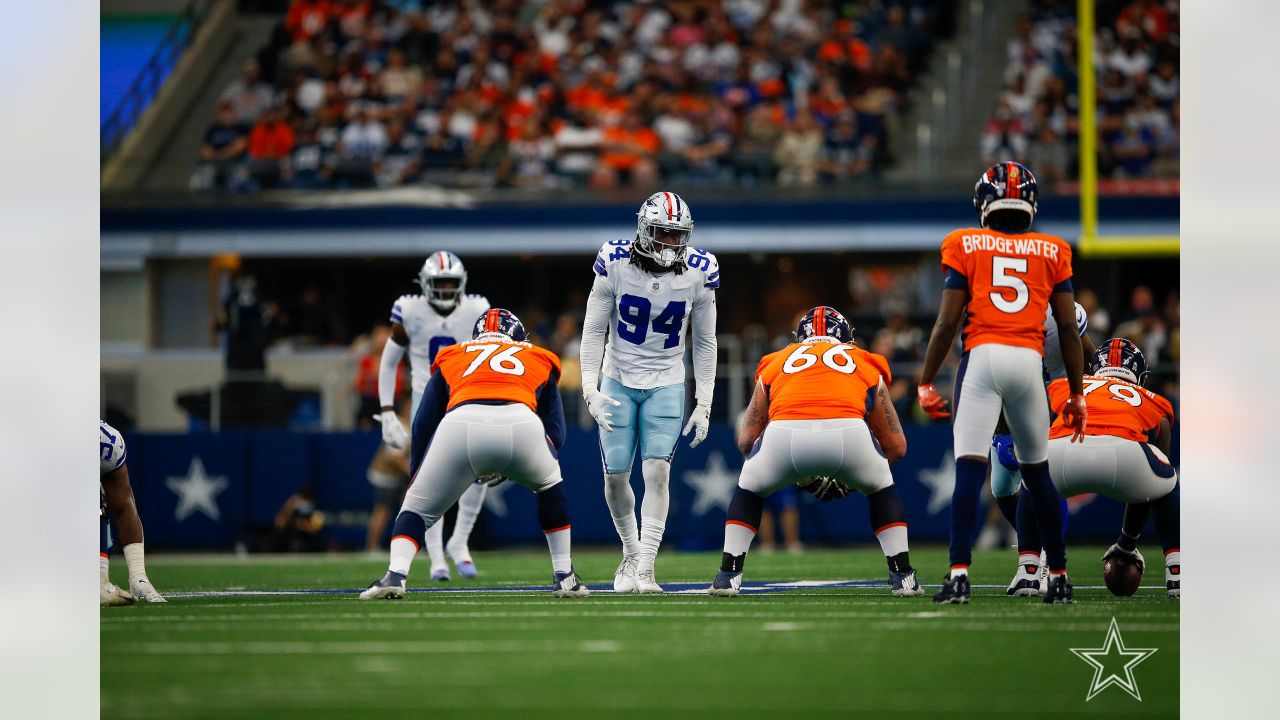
(633, 320)
(837, 358)
(504, 362)
(1001, 267)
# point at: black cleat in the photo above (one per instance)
(1060, 592)
(955, 590)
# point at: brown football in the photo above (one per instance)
(1122, 575)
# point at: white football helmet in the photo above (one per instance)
(663, 228)
(443, 265)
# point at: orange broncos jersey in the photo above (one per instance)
(1116, 407)
(1010, 280)
(821, 380)
(496, 370)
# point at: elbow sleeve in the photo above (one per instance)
(391, 354)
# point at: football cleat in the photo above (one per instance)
(725, 584)
(112, 596)
(1132, 555)
(624, 580)
(1030, 580)
(441, 573)
(390, 587)
(142, 589)
(461, 557)
(1173, 580)
(1059, 591)
(646, 583)
(567, 585)
(905, 584)
(955, 590)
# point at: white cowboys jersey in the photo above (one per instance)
(647, 328)
(1053, 367)
(111, 456)
(429, 331)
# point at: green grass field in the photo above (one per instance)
(806, 653)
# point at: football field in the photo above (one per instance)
(817, 635)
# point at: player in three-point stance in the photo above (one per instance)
(491, 408)
(1004, 276)
(117, 504)
(1124, 455)
(647, 292)
(423, 324)
(820, 407)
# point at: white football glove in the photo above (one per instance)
(699, 421)
(393, 433)
(598, 405)
(142, 589)
(492, 479)
(110, 595)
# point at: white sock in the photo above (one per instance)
(737, 538)
(653, 509)
(1174, 557)
(558, 544)
(469, 507)
(105, 564)
(403, 549)
(435, 543)
(134, 560)
(958, 571)
(893, 539)
(1029, 558)
(622, 506)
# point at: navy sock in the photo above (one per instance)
(1167, 511)
(1047, 505)
(885, 507)
(970, 475)
(746, 508)
(1135, 519)
(411, 525)
(1066, 512)
(1028, 530)
(553, 508)
(1009, 508)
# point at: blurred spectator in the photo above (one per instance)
(366, 375)
(312, 321)
(799, 151)
(299, 524)
(360, 146)
(532, 155)
(848, 153)
(899, 338)
(388, 473)
(307, 166)
(223, 152)
(398, 78)
(247, 323)
(270, 141)
(577, 144)
(401, 161)
(1049, 156)
(629, 149)
(248, 95)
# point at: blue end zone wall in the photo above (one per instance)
(207, 490)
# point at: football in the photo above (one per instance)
(1123, 576)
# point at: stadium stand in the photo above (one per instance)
(567, 93)
(1136, 62)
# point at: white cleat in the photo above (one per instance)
(440, 573)
(646, 583)
(144, 590)
(624, 580)
(567, 585)
(112, 596)
(460, 555)
(905, 584)
(1031, 580)
(390, 587)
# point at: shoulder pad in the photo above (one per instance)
(610, 253)
(111, 449)
(398, 309)
(705, 263)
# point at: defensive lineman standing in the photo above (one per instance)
(426, 323)
(1004, 276)
(647, 291)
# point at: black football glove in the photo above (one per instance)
(826, 488)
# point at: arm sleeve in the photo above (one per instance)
(551, 410)
(435, 400)
(704, 347)
(955, 279)
(595, 328)
(387, 371)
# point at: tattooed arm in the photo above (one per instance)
(754, 420)
(884, 423)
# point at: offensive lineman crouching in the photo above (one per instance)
(821, 407)
(491, 408)
(118, 505)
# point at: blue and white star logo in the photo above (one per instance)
(1113, 647)
(197, 491)
(941, 483)
(713, 485)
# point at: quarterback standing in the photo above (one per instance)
(423, 324)
(493, 408)
(649, 293)
(1001, 277)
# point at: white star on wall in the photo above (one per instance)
(941, 483)
(714, 485)
(197, 491)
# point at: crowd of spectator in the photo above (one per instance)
(1136, 51)
(570, 93)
